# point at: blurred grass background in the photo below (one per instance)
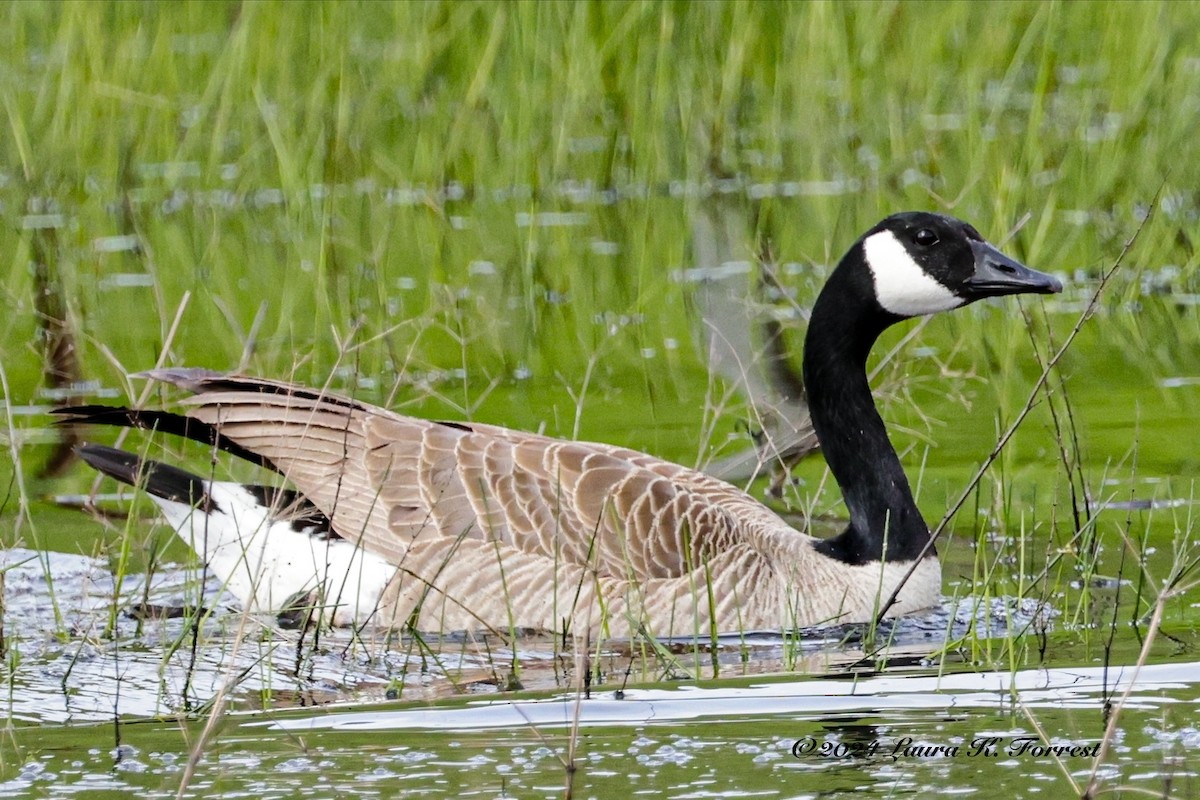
(480, 209)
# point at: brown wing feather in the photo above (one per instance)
(393, 481)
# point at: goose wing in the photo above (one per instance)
(394, 482)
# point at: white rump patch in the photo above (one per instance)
(266, 563)
(901, 285)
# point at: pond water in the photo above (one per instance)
(761, 715)
(501, 213)
(1006, 690)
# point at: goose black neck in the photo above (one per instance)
(884, 521)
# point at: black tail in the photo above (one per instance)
(163, 421)
(160, 480)
(172, 483)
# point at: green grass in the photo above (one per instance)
(206, 128)
(367, 187)
(367, 190)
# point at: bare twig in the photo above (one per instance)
(1093, 788)
(14, 448)
(168, 341)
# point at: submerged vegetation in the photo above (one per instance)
(486, 211)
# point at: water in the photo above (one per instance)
(520, 292)
(81, 651)
(888, 736)
(103, 704)
(958, 699)
(305, 718)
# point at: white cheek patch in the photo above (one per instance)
(901, 285)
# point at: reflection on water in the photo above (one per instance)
(66, 667)
(1081, 688)
(1019, 734)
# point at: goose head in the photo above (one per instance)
(908, 265)
(922, 263)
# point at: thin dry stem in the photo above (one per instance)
(145, 393)
(1110, 729)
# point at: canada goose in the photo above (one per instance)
(461, 526)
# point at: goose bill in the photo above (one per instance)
(997, 274)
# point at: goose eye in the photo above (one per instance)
(925, 237)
